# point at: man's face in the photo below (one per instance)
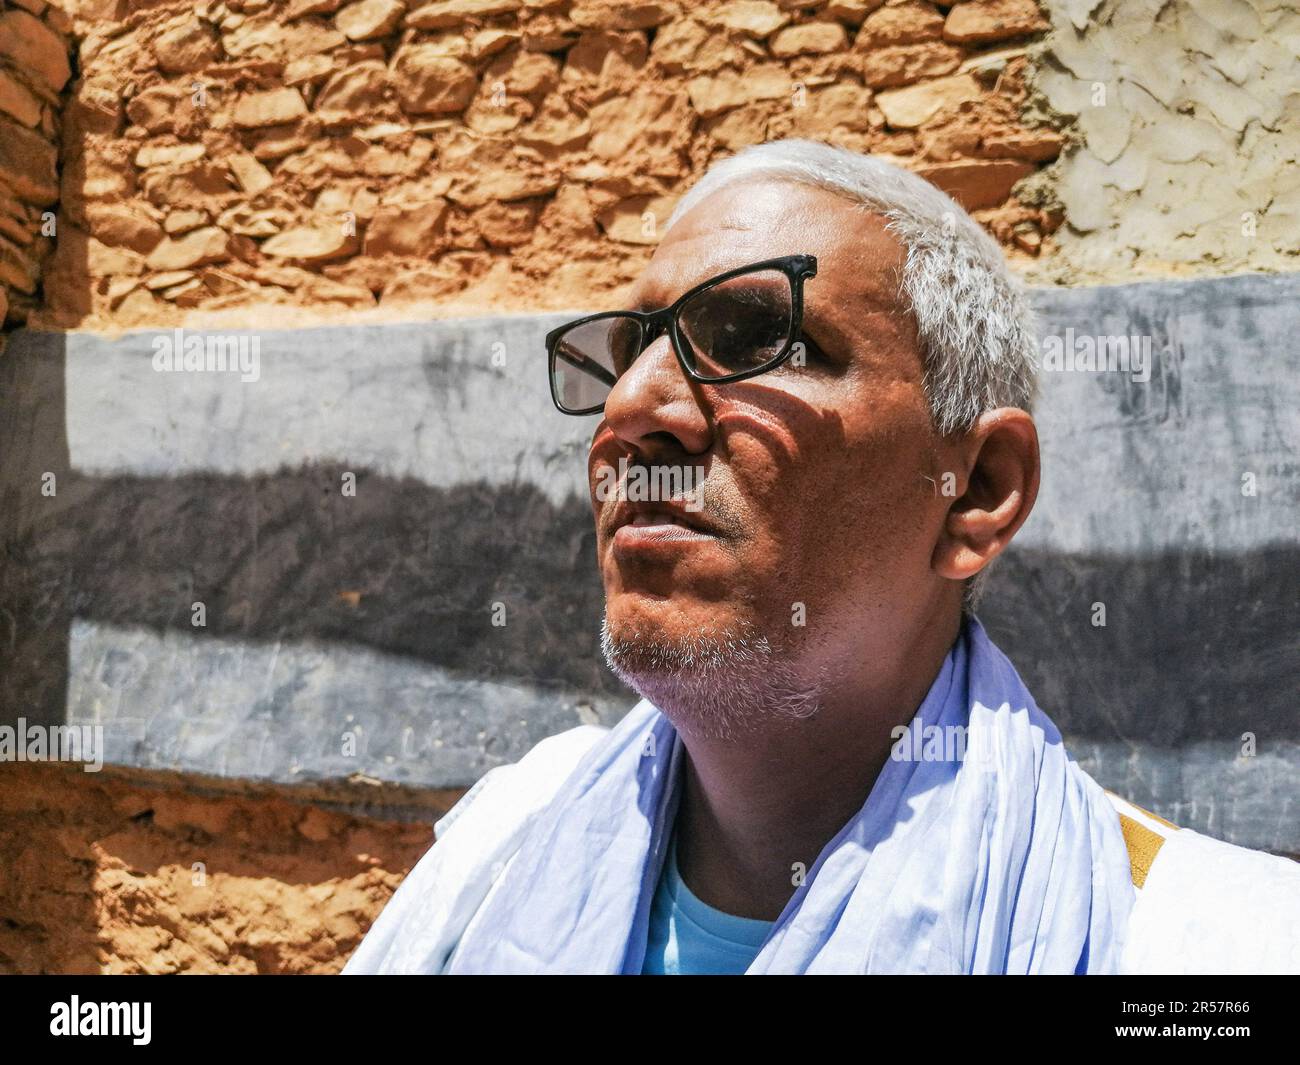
(820, 508)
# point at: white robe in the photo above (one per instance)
(1203, 906)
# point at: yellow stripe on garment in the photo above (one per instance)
(1143, 846)
(1142, 840)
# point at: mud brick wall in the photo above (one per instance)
(104, 875)
(34, 69)
(487, 152)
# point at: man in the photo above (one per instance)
(841, 355)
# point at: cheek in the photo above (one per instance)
(840, 499)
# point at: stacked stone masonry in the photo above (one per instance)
(490, 152)
(34, 71)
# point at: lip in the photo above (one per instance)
(646, 526)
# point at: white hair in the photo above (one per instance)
(974, 324)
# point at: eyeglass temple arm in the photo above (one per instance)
(587, 366)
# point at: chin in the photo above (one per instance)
(711, 675)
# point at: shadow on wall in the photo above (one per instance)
(325, 612)
(1209, 656)
(402, 567)
(411, 569)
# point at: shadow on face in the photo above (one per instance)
(819, 516)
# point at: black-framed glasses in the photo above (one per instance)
(739, 324)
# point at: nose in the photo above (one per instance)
(655, 409)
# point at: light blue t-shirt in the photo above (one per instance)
(689, 937)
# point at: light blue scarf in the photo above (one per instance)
(1009, 860)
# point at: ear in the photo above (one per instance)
(997, 487)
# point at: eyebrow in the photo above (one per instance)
(644, 306)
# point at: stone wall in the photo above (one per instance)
(34, 68)
(490, 152)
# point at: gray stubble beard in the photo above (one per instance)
(717, 685)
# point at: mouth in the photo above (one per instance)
(645, 527)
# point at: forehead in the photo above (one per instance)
(761, 218)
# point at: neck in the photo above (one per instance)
(757, 808)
